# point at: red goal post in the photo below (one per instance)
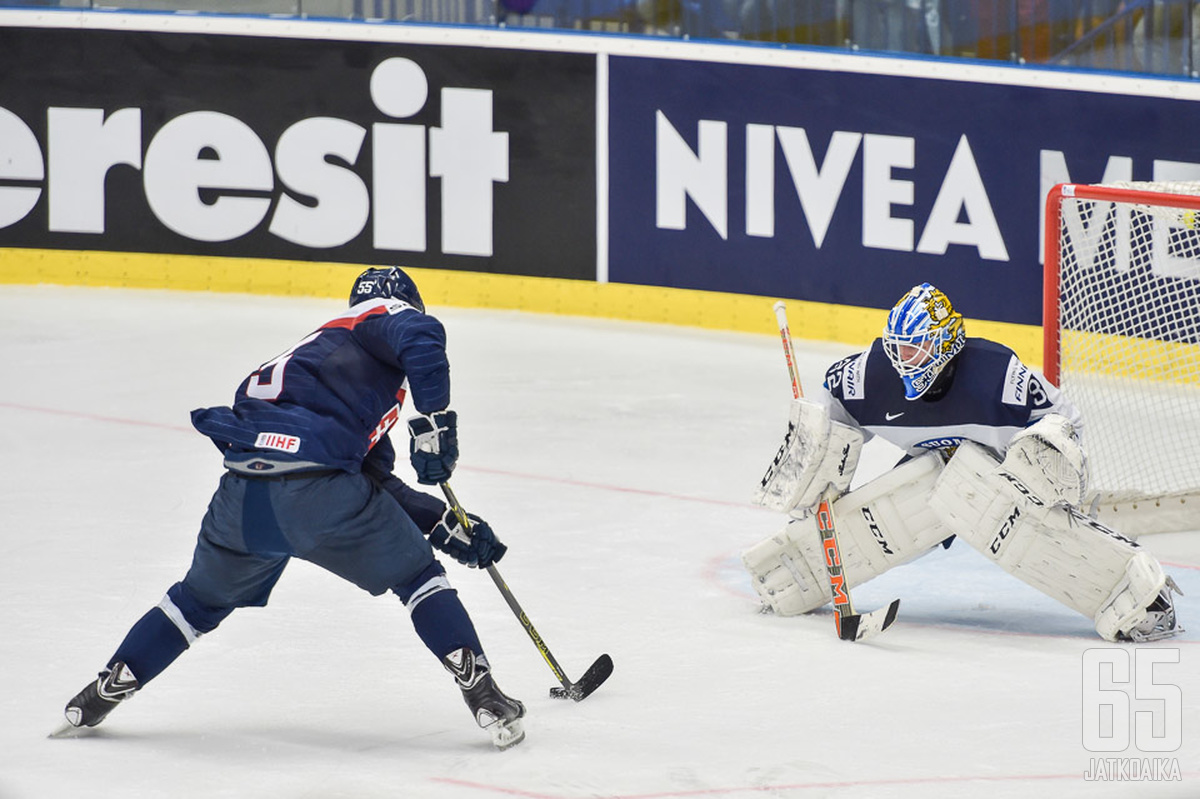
(1121, 317)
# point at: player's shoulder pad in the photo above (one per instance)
(412, 325)
(846, 379)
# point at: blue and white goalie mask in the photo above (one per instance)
(923, 333)
(391, 283)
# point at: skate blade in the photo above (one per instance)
(506, 736)
(69, 730)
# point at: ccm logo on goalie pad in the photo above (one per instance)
(1023, 490)
(1087, 521)
(869, 518)
(1005, 528)
(784, 448)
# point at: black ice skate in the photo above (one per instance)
(97, 699)
(498, 714)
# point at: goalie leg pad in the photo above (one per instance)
(888, 521)
(880, 525)
(1140, 607)
(1057, 550)
(787, 569)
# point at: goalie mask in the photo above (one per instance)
(923, 333)
(389, 283)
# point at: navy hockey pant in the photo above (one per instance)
(339, 521)
(344, 523)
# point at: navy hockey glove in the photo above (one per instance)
(433, 449)
(480, 548)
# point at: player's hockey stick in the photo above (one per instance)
(851, 626)
(596, 674)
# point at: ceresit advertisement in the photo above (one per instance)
(305, 149)
(850, 187)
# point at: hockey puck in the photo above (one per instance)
(558, 692)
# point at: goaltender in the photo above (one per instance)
(992, 456)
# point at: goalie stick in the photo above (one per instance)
(851, 626)
(596, 674)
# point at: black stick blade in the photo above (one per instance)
(592, 679)
(860, 627)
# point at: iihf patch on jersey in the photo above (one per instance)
(279, 441)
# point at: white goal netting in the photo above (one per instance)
(1123, 337)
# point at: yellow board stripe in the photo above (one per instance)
(1108, 355)
(850, 325)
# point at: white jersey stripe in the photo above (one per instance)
(947, 437)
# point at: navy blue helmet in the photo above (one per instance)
(388, 282)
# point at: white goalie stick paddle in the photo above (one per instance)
(851, 626)
(596, 674)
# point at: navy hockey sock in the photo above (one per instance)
(150, 646)
(443, 624)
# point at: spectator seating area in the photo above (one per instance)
(1143, 36)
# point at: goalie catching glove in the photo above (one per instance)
(479, 548)
(1046, 459)
(816, 453)
(433, 450)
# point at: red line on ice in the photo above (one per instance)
(481, 469)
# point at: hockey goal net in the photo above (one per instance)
(1122, 340)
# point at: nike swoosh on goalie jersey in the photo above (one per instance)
(891, 416)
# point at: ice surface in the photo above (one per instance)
(617, 461)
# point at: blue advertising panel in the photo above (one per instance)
(849, 188)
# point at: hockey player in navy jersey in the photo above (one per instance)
(992, 456)
(308, 463)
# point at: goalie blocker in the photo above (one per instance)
(816, 453)
(1019, 513)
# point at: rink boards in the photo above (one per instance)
(596, 175)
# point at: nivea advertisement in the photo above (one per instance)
(849, 188)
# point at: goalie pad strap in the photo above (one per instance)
(879, 526)
(1057, 550)
(815, 454)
